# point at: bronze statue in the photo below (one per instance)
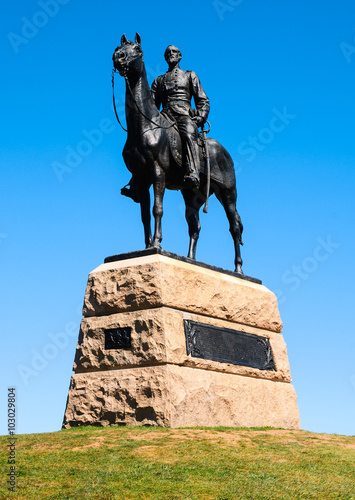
(154, 151)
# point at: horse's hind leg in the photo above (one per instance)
(193, 203)
(228, 198)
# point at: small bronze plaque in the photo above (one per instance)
(228, 346)
(118, 338)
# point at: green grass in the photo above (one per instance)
(198, 464)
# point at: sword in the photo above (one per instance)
(208, 166)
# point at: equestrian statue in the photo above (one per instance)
(165, 149)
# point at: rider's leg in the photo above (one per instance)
(189, 136)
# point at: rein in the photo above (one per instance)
(113, 98)
(135, 102)
(141, 112)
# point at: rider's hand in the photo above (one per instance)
(196, 117)
(198, 120)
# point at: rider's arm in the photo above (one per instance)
(202, 102)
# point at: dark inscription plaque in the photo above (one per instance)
(228, 346)
(118, 338)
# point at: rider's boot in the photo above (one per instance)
(192, 178)
(129, 191)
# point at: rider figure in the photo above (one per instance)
(174, 91)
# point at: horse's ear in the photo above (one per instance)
(124, 39)
(138, 38)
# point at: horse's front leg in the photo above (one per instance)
(193, 203)
(142, 191)
(159, 189)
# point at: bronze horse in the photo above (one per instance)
(151, 154)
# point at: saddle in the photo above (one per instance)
(175, 149)
(175, 142)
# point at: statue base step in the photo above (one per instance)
(179, 396)
(168, 342)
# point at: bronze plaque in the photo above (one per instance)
(118, 338)
(228, 346)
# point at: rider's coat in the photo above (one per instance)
(174, 91)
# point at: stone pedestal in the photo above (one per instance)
(153, 349)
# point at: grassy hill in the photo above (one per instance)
(124, 463)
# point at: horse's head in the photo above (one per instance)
(127, 58)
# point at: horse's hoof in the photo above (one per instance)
(238, 270)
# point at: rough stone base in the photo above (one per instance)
(179, 396)
(156, 379)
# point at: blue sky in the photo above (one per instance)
(280, 77)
